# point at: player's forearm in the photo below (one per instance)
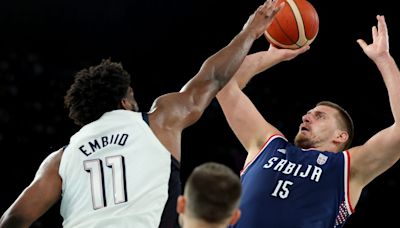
(251, 66)
(391, 76)
(227, 61)
(254, 64)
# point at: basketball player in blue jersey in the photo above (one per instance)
(317, 181)
(121, 169)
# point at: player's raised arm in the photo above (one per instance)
(383, 150)
(248, 124)
(173, 112)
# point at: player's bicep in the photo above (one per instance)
(39, 196)
(247, 123)
(183, 108)
(376, 156)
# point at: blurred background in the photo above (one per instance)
(163, 44)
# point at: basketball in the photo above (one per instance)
(294, 26)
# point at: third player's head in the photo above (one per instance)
(212, 194)
(326, 127)
(99, 89)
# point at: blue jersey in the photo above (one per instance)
(286, 186)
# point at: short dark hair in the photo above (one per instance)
(345, 121)
(213, 191)
(96, 90)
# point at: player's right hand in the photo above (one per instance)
(284, 54)
(259, 21)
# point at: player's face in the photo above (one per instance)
(319, 127)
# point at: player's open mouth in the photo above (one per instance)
(304, 129)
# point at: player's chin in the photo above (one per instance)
(301, 134)
(300, 137)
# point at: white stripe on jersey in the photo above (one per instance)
(346, 173)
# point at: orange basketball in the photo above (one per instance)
(294, 26)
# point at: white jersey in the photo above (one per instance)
(115, 173)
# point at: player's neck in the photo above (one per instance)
(325, 147)
(196, 223)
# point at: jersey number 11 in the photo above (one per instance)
(95, 168)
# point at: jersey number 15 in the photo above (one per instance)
(282, 189)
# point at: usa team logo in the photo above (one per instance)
(322, 159)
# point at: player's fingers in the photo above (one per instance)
(382, 27)
(277, 9)
(270, 8)
(304, 49)
(269, 3)
(362, 43)
(374, 33)
(265, 5)
(296, 52)
(274, 10)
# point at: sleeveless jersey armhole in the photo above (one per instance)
(145, 117)
(349, 207)
(345, 209)
(267, 142)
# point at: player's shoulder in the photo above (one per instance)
(276, 138)
(57, 154)
(279, 140)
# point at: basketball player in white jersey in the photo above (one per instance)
(121, 169)
(211, 198)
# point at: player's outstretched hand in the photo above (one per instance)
(259, 21)
(380, 41)
(284, 54)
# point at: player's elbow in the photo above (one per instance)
(395, 133)
(11, 220)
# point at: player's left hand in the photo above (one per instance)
(380, 41)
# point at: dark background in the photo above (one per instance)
(163, 44)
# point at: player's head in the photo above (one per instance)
(99, 89)
(326, 123)
(211, 196)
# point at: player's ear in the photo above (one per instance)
(126, 104)
(235, 217)
(129, 102)
(341, 137)
(123, 103)
(180, 205)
